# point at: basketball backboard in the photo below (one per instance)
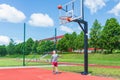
(70, 11)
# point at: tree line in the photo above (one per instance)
(106, 38)
(31, 47)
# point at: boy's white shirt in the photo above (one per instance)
(54, 58)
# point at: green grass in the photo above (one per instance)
(101, 59)
(104, 59)
(6, 62)
(9, 62)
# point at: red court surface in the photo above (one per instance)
(43, 74)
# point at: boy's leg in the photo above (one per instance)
(56, 69)
(53, 69)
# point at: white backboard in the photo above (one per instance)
(72, 9)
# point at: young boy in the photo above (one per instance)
(54, 61)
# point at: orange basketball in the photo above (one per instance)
(59, 6)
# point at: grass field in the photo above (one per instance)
(101, 59)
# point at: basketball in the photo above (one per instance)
(59, 6)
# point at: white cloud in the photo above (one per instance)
(115, 10)
(66, 29)
(41, 20)
(18, 41)
(4, 40)
(10, 14)
(94, 5)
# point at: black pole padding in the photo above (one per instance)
(85, 30)
(85, 48)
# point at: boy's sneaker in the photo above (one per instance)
(57, 72)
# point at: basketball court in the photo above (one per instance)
(35, 73)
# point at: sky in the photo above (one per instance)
(42, 17)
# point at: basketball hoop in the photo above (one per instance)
(70, 11)
(65, 19)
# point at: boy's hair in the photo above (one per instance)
(54, 51)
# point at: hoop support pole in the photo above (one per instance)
(85, 30)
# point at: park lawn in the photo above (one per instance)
(100, 59)
(9, 62)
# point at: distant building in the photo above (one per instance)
(53, 38)
(90, 50)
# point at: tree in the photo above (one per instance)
(61, 45)
(79, 42)
(71, 40)
(3, 50)
(28, 46)
(67, 42)
(34, 47)
(111, 34)
(11, 47)
(95, 35)
(45, 46)
(64, 43)
(19, 48)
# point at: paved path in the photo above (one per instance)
(43, 74)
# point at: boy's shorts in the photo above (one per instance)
(55, 64)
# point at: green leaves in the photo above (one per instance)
(71, 41)
(106, 38)
(11, 47)
(95, 35)
(28, 46)
(79, 41)
(3, 51)
(45, 46)
(111, 34)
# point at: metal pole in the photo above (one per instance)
(85, 30)
(55, 40)
(82, 10)
(85, 48)
(24, 45)
(85, 42)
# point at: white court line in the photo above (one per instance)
(16, 67)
